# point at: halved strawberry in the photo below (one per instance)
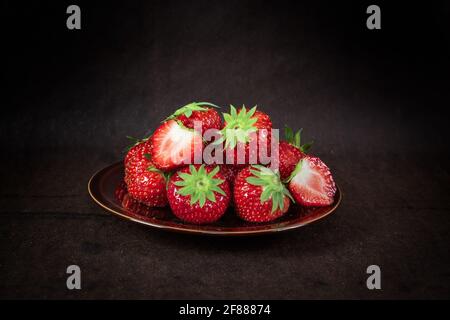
(290, 152)
(198, 194)
(311, 183)
(259, 194)
(243, 128)
(200, 112)
(174, 145)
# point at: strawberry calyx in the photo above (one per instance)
(239, 126)
(273, 187)
(294, 138)
(199, 185)
(189, 108)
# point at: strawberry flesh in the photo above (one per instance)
(313, 184)
(173, 146)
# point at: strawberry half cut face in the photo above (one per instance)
(173, 146)
(311, 183)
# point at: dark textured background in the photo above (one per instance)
(374, 102)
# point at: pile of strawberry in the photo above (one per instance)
(202, 193)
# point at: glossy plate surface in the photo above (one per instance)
(107, 189)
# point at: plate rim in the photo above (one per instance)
(98, 173)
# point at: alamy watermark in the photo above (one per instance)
(214, 147)
(374, 280)
(74, 20)
(74, 279)
(374, 20)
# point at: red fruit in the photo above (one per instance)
(198, 194)
(174, 146)
(136, 160)
(131, 149)
(148, 187)
(290, 152)
(198, 111)
(229, 172)
(259, 194)
(145, 183)
(288, 158)
(137, 207)
(312, 183)
(243, 128)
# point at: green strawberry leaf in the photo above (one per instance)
(189, 108)
(239, 126)
(295, 139)
(200, 185)
(272, 187)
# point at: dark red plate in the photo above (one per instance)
(107, 189)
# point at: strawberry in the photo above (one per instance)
(198, 111)
(311, 183)
(137, 146)
(145, 183)
(229, 172)
(135, 159)
(241, 129)
(290, 152)
(198, 194)
(259, 194)
(174, 145)
(135, 206)
(148, 187)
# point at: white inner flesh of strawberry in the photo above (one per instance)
(176, 144)
(311, 181)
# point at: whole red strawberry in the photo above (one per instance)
(200, 112)
(137, 146)
(243, 128)
(259, 194)
(148, 187)
(174, 146)
(290, 152)
(312, 183)
(198, 194)
(145, 183)
(136, 160)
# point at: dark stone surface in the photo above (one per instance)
(374, 102)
